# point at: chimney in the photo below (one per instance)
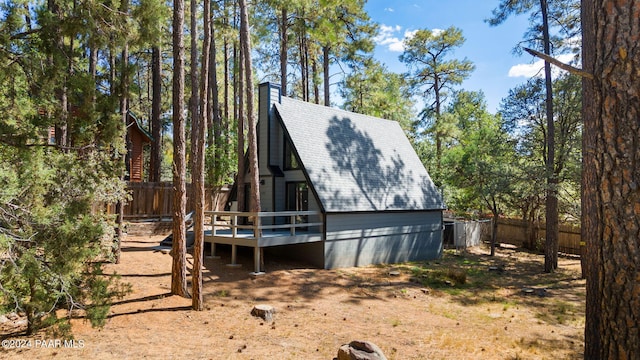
(268, 94)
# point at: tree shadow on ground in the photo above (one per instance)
(142, 311)
(510, 278)
(286, 280)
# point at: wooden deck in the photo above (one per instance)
(227, 228)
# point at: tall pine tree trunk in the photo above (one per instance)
(316, 80)
(179, 269)
(610, 189)
(57, 55)
(241, 196)
(214, 136)
(551, 240)
(225, 49)
(194, 100)
(198, 169)
(304, 74)
(284, 49)
(436, 87)
(589, 220)
(325, 71)
(124, 108)
(156, 109)
(245, 40)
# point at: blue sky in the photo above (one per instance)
(489, 48)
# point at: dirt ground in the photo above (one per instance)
(407, 310)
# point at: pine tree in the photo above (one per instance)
(541, 27)
(611, 211)
(245, 41)
(199, 165)
(179, 246)
(433, 74)
(53, 219)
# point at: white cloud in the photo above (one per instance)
(409, 34)
(385, 32)
(388, 36)
(526, 70)
(537, 68)
(389, 9)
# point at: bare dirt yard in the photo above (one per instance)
(464, 306)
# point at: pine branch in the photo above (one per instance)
(25, 34)
(558, 63)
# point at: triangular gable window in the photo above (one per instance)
(291, 161)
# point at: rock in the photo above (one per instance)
(532, 291)
(541, 292)
(360, 350)
(394, 273)
(263, 311)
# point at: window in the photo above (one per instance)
(290, 159)
(297, 196)
(298, 199)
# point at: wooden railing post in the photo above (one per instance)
(234, 226)
(293, 225)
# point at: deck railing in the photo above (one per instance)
(296, 220)
(255, 222)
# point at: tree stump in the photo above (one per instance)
(263, 311)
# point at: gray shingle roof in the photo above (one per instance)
(357, 162)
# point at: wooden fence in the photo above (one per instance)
(514, 231)
(154, 200)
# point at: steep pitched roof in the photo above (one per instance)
(135, 123)
(357, 162)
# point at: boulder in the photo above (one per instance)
(360, 350)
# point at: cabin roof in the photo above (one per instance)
(356, 162)
(137, 125)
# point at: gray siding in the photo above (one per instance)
(268, 128)
(294, 175)
(263, 131)
(357, 239)
(266, 197)
(275, 131)
(280, 194)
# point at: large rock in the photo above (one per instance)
(360, 350)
